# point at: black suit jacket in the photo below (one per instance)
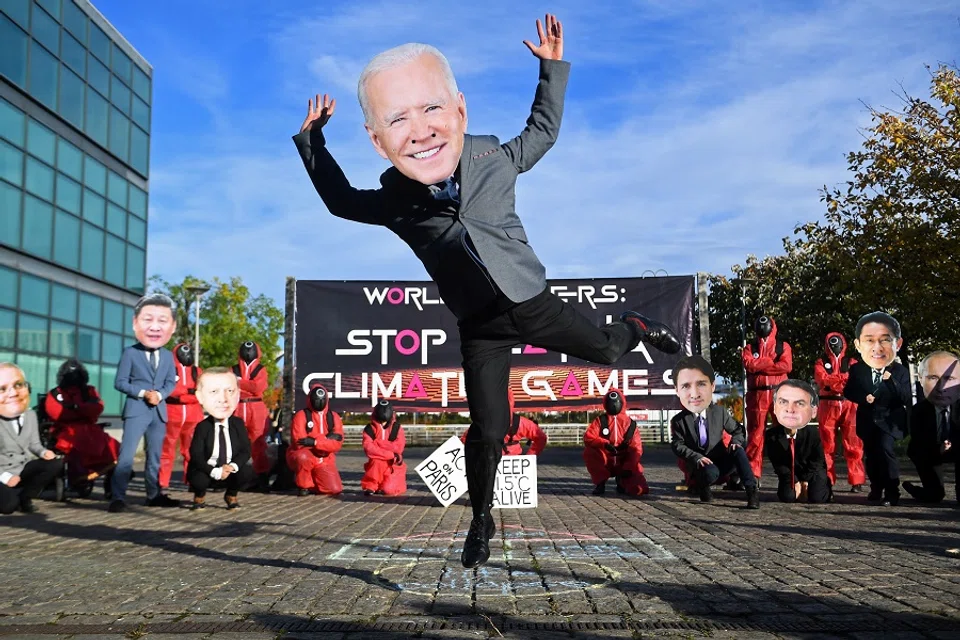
(888, 412)
(809, 460)
(685, 436)
(925, 440)
(201, 447)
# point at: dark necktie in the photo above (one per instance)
(702, 426)
(943, 426)
(222, 444)
(793, 462)
(447, 190)
(877, 377)
(154, 359)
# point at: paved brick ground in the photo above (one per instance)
(576, 567)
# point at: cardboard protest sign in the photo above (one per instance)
(516, 485)
(444, 471)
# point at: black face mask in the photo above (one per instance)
(763, 326)
(836, 345)
(383, 412)
(248, 352)
(318, 398)
(613, 403)
(73, 374)
(184, 355)
(941, 397)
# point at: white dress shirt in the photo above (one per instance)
(217, 472)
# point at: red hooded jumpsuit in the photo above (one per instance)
(252, 380)
(183, 414)
(625, 464)
(87, 447)
(385, 469)
(836, 412)
(765, 370)
(315, 468)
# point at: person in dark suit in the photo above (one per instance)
(26, 466)
(881, 388)
(795, 451)
(935, 428)
(450, 197)
(220, 449)
(147, 376)
(696, 433)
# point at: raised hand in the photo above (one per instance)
(319, 111)
(551, 39)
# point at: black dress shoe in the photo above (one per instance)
(117, 506)
(600, 489)
(915, 491)
(654, 333)
(162, 500)
(303, 492)
(856, 488)
(476, 548)
(891, 498)
(706, 493)
(27, 506)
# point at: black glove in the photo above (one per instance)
(334, 436)
(610, 448)
(622, 447)
(307, 442)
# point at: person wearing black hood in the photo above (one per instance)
(316, 435)
(613, 449)
(385, 472)
(836, 413)
(252, 379)
(935, 427)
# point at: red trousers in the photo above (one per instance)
(254, 416)
(313, 472)
(381, 475)
(833, 415)
(179, 429)
(759, 404)
(87, 448)
(626, 468)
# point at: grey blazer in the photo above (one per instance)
(18, 450)
(685, 436)
(487, 175)
(134, 374)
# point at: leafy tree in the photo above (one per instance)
(229, 316)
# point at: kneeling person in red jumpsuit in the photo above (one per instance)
(252, 379)
(316, 436)
(220, 449)
(613, 449)
(183, 413)
(385, 472)
(74, 406)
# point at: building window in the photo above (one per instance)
(32, 333)
(135, 269)
(99, 44)
(35, 294)
(117, 189)
(74, 54)
(116, 220)
(141, 83)
(69, 159)
(52, 6)
(11, 163)
(64, 303)
(139, 150)
(122, 65)
(120, 95)
(8, 329)
(94, 208)
(112, 347)
(19, 10)
(138, 202)
(95, 175)
(136, 231)
(98, 76)
(8, 287)
(35, 371)
(119, 134)
(141, 113)
(88, 345)
(91, 252)
(115, 261)
(41, 142)
(71, 97)
(66, 240)
(75, 20)
(90, 313)
(13, 62)
(39, 179)
(10, 215)
(12, 123)
(44, 76)
(112, 316)
(63, 339)
(68, 194)
(96, 117)
(37, 226)
(46, 30)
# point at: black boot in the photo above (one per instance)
(600, 489)
(481, 462)
(108, 486)
(753, 497)
(654, 333)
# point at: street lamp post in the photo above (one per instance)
(743, 282)
(197, 290)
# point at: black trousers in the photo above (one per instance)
(930, 469)
(818, 488)
(35, 475)
(200, 481)
(883, 469)
(724, 462)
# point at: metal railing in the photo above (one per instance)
(420, 435)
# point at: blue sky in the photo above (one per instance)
(695, 133)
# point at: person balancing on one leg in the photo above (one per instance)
(450, 197)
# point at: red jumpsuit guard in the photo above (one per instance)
(613, 449)
(74, 406)
(252, 380)
(521, 430)
(767, 360)
(836, 412)
(183, 413)
(385, 472)
(316, 435)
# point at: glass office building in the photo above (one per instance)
(75, 102)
